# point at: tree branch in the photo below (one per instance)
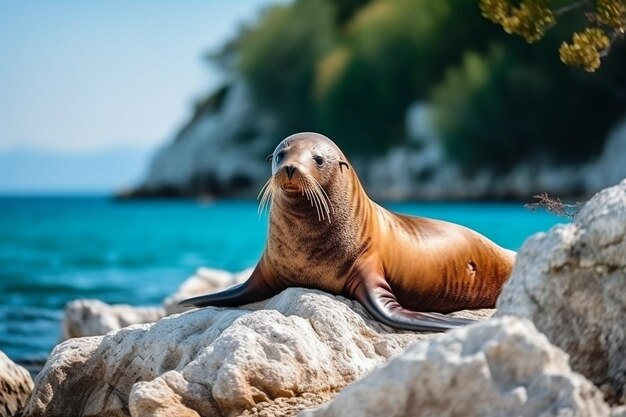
(565, 9)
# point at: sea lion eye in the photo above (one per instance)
(279, 157)
(318, 160)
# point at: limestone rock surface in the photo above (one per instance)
(619, 411)
(571, 282)
(83, 318)
(501, 367)
(220, 362)
(15, 386)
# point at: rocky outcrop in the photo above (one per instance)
(15, 386)
(83, 318)
(427, 174)
(502, 367)
(422, 170)
(570, 282)
(303, 344)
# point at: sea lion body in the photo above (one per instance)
(325, 233)
(469, 276)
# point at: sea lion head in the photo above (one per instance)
(304, 168)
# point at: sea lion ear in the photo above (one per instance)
(341, 164)
(269, 157)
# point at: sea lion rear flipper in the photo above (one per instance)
(376, 296)
(252, 290)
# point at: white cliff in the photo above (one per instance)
(222, 152)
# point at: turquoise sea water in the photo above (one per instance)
(56, 249)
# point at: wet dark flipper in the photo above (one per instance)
(252, 290)
(376, 296)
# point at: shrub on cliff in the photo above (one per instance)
(510, 105)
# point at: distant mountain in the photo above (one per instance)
(30, 171)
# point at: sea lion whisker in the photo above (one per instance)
(261, 197)
(310, 197)
(265, 196)
(261, 208)
(323, 194)
(324, 200)
(267, 183)
(267, 204)
(305, 190)
(270, 196)
(315, 199)
(302, 189)
(319, 204)
(329, 203)
(314, 202)
(305, 185)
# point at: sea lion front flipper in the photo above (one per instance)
(378, 299)
(255, 288)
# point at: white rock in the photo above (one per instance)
(15, 386)
(571, 283)
(219, 361)
(502, 367)
(94, 318)
(619, 411)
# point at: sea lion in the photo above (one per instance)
(325, 233)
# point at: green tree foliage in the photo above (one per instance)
(364, 85)
(351, 68)
(606, 20)
(278, 58)
(392, 52)
(498, 108)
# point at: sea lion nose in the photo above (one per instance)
(290, 170)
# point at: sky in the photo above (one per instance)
(86, 76)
